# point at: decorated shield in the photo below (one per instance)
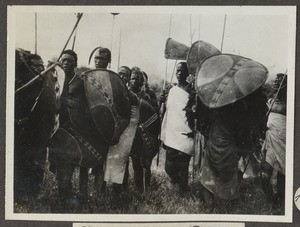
(149, 128)
(59, 75)
(108, 101)
(223, 79)
(199, 51)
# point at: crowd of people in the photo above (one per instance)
(228, 133)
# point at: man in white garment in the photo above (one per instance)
(175, 131)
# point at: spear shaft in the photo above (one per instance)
(79, 15)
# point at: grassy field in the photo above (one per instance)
(160, 199)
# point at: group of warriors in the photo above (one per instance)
(217, 113)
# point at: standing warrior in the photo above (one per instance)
(274, 145)
(124, 72)
(175, 131)
(29, 155)
(230, 114)
(102, 58)
(136, 83)
(63, 168)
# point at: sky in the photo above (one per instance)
(139, 35)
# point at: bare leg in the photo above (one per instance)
(83, 182)
(265, 181)
(209, 200)
(99, 183)
(64, 174)
(147, 179)
(138, 174)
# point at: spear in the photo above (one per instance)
(79, 15)
(36, 77)
(166, 70)
(74, 39)
(276, 93)
(119, 54)
(35, 33)
(162, 104)
(270, 108)
(224, 25)
(112, 31)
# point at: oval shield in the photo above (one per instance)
(199, 51)
(224, 79)
(175, 50)
(108, 101)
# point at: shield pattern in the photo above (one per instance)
(108, 101)
(224, 79)
(198, 52)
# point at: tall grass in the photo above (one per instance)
(161, 198)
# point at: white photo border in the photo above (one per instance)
(290, 11)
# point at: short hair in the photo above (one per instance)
(184, 64)
(72, 53)
(33, 57)
(138, 71)
(105, 50)
(136, 68)
(126, 67)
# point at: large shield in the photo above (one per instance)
(224, 79)
(108, 101)
(199, 51)
(175, 50)
(38, 104)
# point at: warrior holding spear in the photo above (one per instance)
(274, 144)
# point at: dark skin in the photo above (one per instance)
(135, 82)
(101, 60)
(68, 64)
(181, 75)
(124, 74)
(38, 68)
(277, 81)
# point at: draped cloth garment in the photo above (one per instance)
(219, 168)
(275, 141)
(118, 154)
(175, 122)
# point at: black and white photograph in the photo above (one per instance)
(150, 113)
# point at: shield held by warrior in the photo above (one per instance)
(224, 79)
(108, 101)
